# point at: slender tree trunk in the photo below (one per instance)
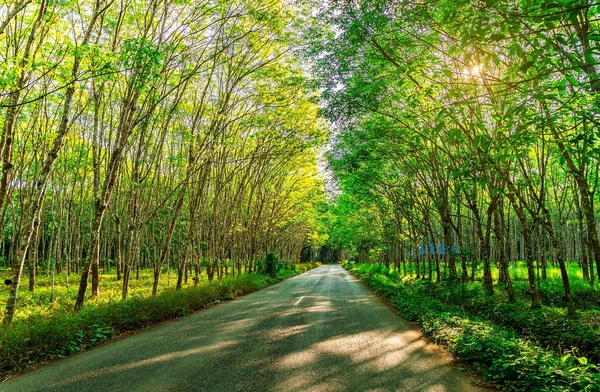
(503, 261)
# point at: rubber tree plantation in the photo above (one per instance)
(160, 156)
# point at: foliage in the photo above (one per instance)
(510, 361)
(178, 133)
(271, 265)
(472, 125)
(548, 326)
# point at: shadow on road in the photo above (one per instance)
(322, 331)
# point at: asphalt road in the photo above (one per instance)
(320, 331)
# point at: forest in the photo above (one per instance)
(160, 155)
(465, 148)
(147, 146)
(137, 133)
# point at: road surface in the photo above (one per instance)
(320, 331)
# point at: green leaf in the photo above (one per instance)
(573, 81)
(561, 86)
(526, 66)
(482, 141)
(594, 37)
(454, 134)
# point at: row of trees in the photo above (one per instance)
(145, 132)
(470, 124)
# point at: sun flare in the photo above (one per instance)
(476, 70)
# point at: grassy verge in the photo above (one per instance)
(549, 326)
(41, 337)
(498, 352)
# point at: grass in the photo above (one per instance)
(585, 296)
(550, 327)
(39, 303)
(518, 272)
(43, 331)
(518, 349)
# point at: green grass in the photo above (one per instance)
(44, 331)
(550, 327)
(507, 343)
(38, 303)
(585, 296)
(518, 272)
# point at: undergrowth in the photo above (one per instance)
(40, 337)
(497, 351)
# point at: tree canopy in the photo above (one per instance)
(469, 124)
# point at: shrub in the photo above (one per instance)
(271, 264)
(497, 352)
(549, 327)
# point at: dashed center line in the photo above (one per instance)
(301, 298)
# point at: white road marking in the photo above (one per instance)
(301, 298)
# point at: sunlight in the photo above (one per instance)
(320, 306)
(147, 362)
(282, 333)
(298, 359)
(435, 164)
(476, 70)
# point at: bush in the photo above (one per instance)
(497, 352)
(549, 327)
(271, 264)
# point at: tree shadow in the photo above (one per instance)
(321, 332)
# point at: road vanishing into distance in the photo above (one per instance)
(319, 331)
